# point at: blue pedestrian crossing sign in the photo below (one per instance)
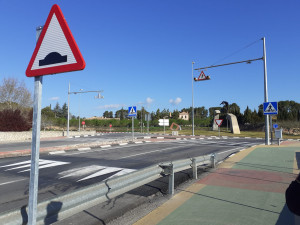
(270, 108)
(132, 111)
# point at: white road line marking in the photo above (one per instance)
(147, 137)
(84, 149)
(123, 144)
(105, 146)
(144, 153)
(16, 164)
(41, 162)
(160, 137)
(77, 136)
(9, 182)
(48, 165)
(138, 142)
(56, 152)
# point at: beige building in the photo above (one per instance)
(184, 116)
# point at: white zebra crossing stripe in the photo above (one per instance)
(122, 172)
(26, 164)
(79, 172)
(100, 173)
(53, 164)
(89, 172)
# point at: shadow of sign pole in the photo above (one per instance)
(35, 145)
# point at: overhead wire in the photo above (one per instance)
(237, 51)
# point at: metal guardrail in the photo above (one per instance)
(69, 204)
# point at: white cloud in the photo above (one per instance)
(149, 100)
(176, 101)
(54, 98)
(112, 106)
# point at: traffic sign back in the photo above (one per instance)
(56, 50)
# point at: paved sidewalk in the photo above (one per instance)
(248, 188)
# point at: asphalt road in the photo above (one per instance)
(13, 146)
(72, 170)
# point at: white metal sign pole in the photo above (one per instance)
(132, 128)
(193, 121)
(35, 146)
(267, 127)
(68, 125)
(164, 127)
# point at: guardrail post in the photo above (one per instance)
(213, 160)
(169, 171)
(194, 166)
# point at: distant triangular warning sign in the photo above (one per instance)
(202, 76)
(56, 50)
(270, 108)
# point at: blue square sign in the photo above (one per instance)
(132, 111)
(270, 108)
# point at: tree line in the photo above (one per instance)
(16, 112)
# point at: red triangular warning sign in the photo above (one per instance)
(56, 50)
(202, 76)
(219, 122)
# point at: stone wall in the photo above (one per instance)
(27, 135)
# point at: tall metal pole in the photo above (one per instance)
(132, 128)
(35, 146)
(164, 126)
(79, 114)
(148, 123)
(193, 123)
(79, 111)
(267, 127)
(142, 119)
(68, 126)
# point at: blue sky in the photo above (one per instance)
(141, 52)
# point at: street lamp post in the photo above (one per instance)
(99, 96)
